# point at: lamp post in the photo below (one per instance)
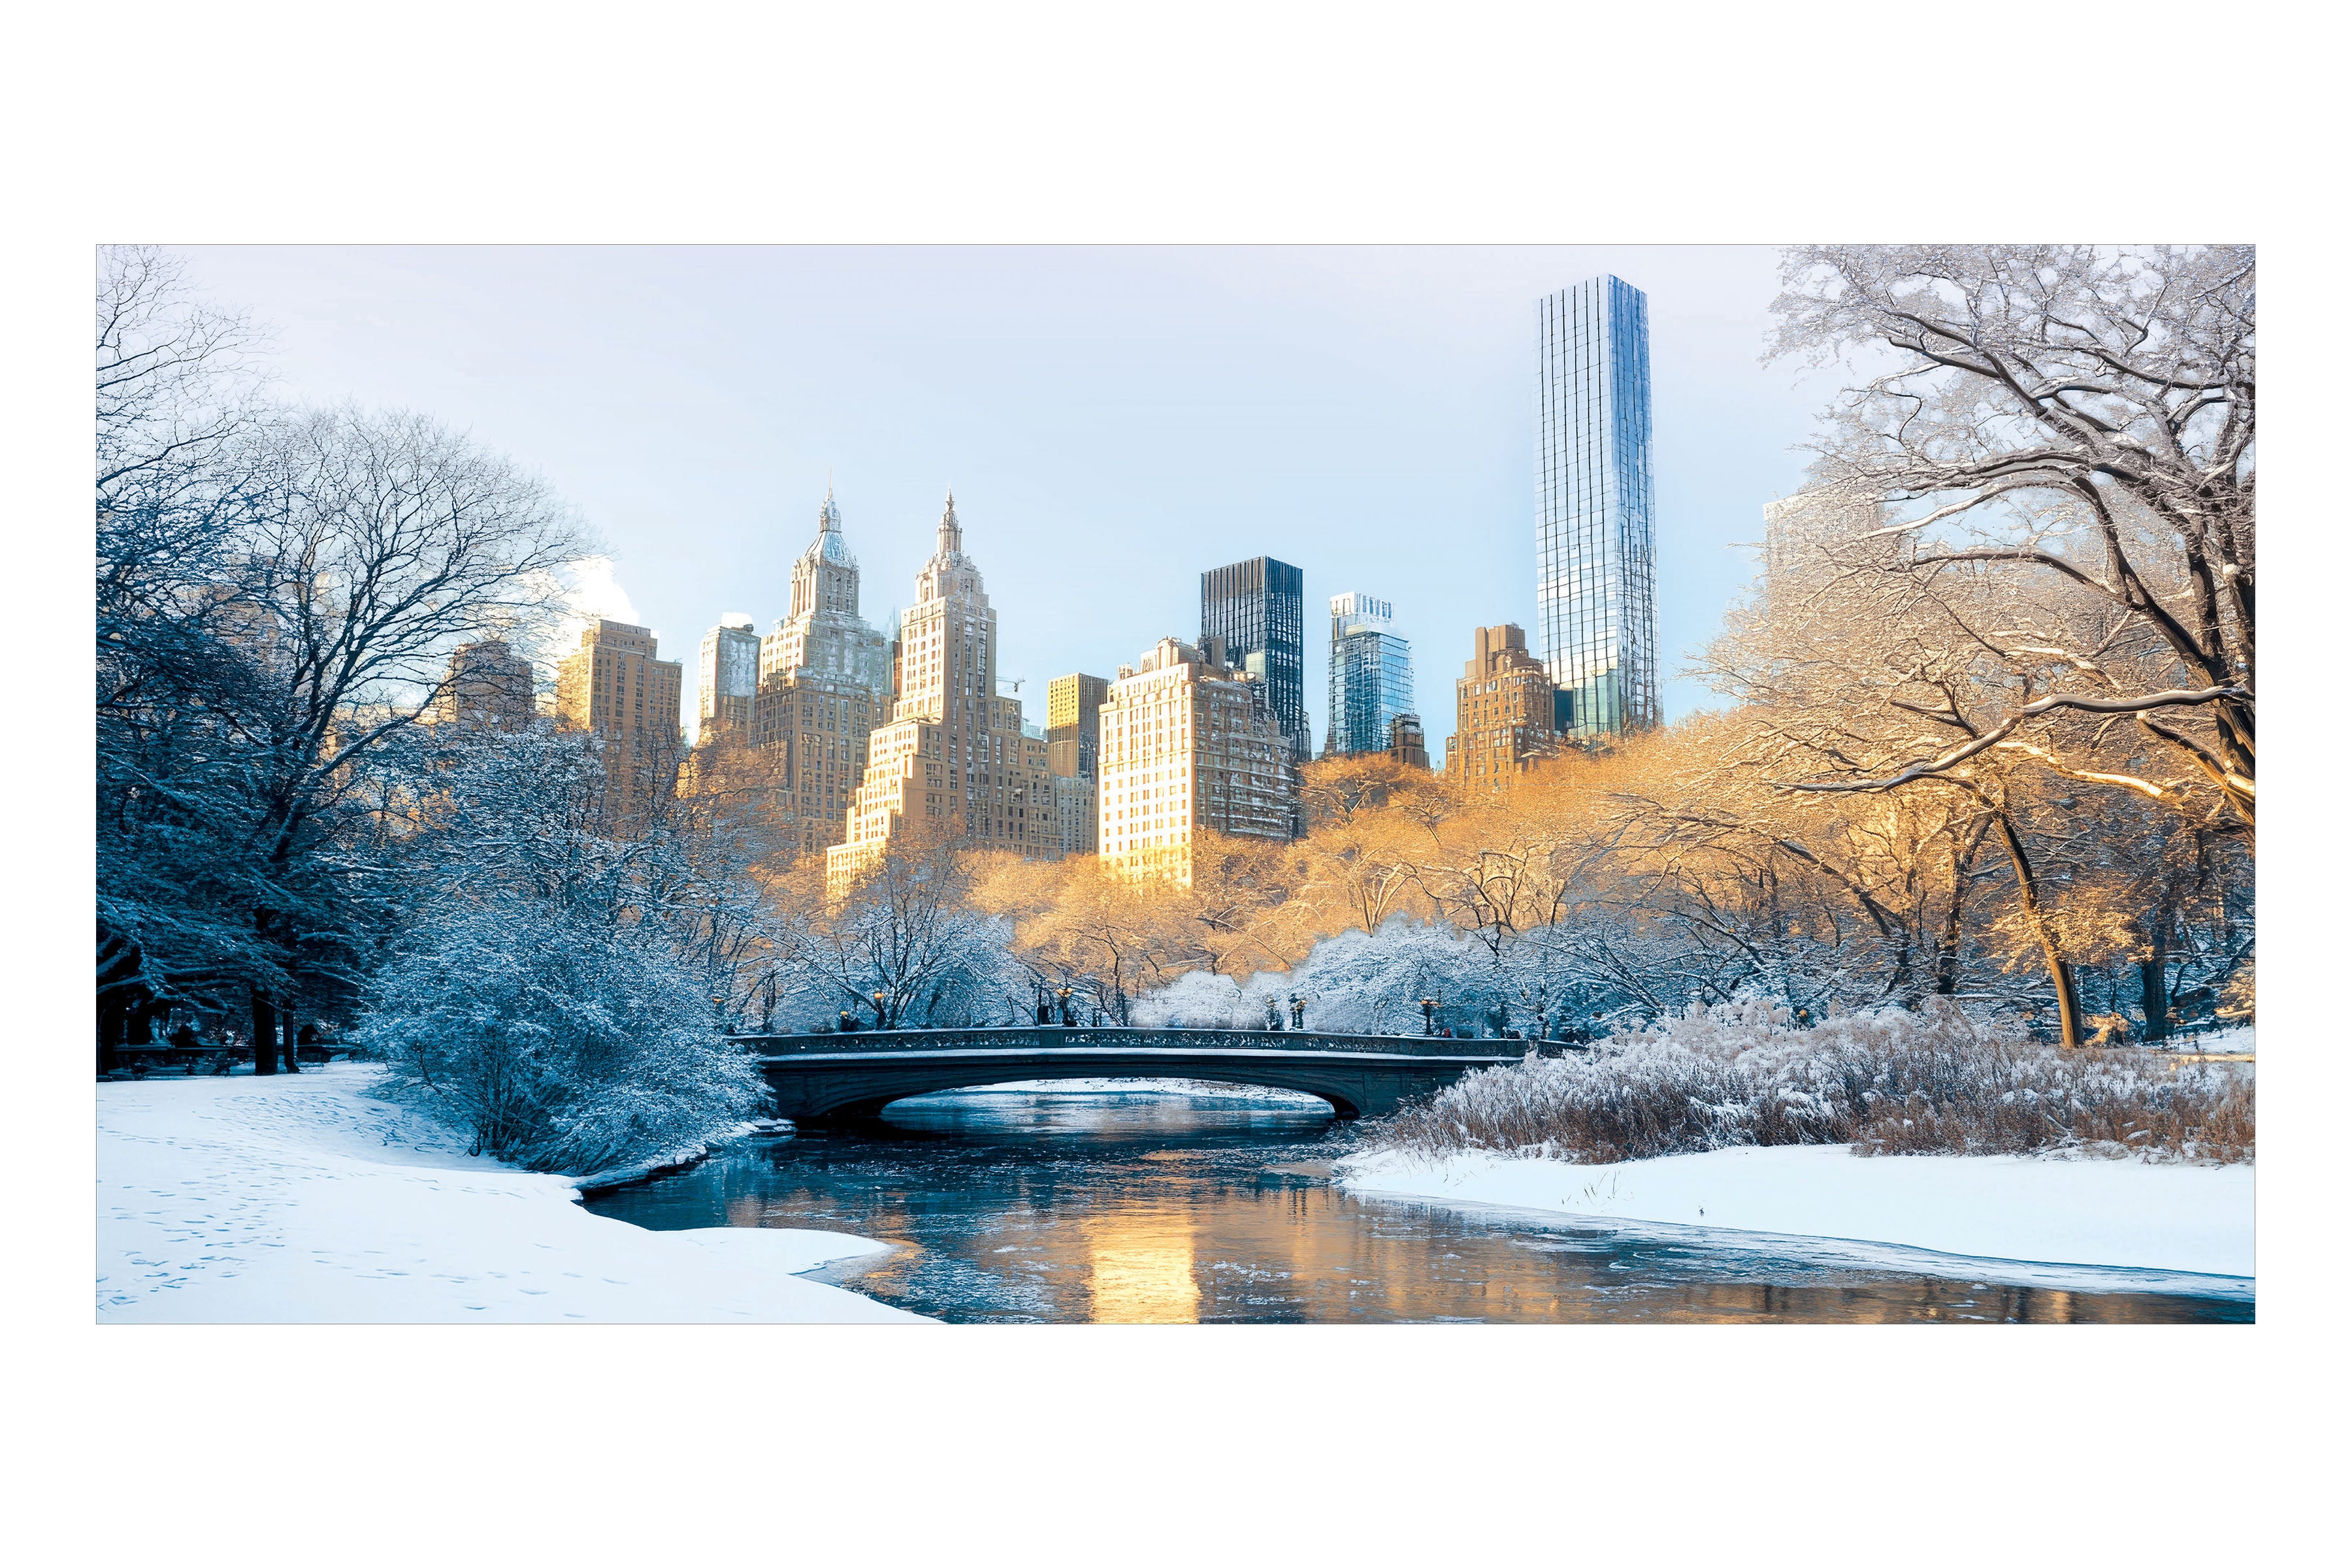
(1428, 1015)
(1064, 994)
(881, 1021)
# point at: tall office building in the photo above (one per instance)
(729, 676)
(1508, 716)
(952, 755)
(1258, 608)
(615, 685)
(1074, 756)
(1596, 579)
(1074, 724)
(1190, 747)
(1370, 676)
(488, 683)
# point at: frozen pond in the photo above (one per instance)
(1136, 1207)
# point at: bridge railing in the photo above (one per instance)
(1052, 1036)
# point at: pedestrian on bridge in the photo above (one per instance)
(1297, 1013)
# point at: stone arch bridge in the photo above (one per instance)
(819, 1076)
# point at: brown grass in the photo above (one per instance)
(1886, 1083)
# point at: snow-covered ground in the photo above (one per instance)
(2196, 1219)
(299, 1199)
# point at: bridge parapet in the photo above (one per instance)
(866, 1042)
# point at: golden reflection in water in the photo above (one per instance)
(1139, 1270)
(1155, 1242)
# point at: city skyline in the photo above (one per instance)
(1122, 418)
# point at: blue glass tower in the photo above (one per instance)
(1596, 543)
(1370, 676)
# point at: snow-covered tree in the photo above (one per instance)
(278, 596)
(559, 1040)
(2059, 444)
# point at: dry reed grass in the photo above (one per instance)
(1888, 1082)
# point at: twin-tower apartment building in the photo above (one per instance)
(873, 737)
(871, 734)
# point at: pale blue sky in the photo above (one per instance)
(1113, 421)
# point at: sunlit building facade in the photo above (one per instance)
(1596, 580)
(1508, 716)
(616, 686)
(953, 756)
(729, 676)
(1190, 747)
(1074, 725)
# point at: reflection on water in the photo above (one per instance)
(1165, 1208)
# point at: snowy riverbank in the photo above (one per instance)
(300, 1200)
(2196, 1219)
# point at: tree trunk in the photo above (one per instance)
(2062, 973)
(2155, 994)
(265, 1034)
(1947, 941)
(113, 1018)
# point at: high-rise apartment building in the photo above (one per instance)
(817, 728)
(1508, 716)
(952, 755)
(488, 683)
(1257, 608)
(1073, 725)
(1407, 744)
(1370, 678)
(615, 685)
(1189, 746)
(1596, 578)
(1076, 817)
(729, 676)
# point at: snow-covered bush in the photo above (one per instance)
(561, 1042)
(1887, 1081)
(1353, 983)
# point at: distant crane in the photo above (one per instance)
(1012, 680)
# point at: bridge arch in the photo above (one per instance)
(857, 1099)
(819, 1076)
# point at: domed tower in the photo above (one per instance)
(825, 679)
(824, 633)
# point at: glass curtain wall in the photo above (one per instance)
(1596, 588)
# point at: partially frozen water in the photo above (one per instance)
(1151, 1207)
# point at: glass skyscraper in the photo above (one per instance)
(1259, 607)
(1370, 676)
(1596, 551)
